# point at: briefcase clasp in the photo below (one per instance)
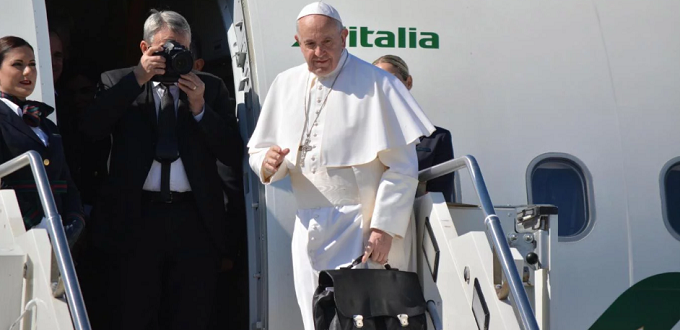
(358, 321)
(403, 318)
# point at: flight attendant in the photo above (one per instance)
(24, 126)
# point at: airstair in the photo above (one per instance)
(38, 284)
(482, 267)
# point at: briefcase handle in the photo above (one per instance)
(357, 261)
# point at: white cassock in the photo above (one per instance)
(361, 172)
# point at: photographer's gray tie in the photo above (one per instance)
(166, 146)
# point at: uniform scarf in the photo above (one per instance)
(32, 111)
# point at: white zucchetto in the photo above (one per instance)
(320, 8)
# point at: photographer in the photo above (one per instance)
(160, 218)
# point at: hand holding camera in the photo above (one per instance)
(178, 61)
(194, 87)
(172, 63)
(150, 65)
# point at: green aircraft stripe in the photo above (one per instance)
(651, 304)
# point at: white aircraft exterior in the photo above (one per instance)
(590, 88)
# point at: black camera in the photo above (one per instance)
(178, 61)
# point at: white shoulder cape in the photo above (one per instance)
(369, 110)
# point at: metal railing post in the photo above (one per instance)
(494, 232)
(55, 229)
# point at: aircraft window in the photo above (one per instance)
(670, 195)
(560, 180)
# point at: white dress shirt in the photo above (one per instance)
(39, 132)
(178, 176)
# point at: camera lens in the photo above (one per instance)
(183, 62)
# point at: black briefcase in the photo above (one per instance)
(370, 299)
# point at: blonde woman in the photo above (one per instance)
(434, 149)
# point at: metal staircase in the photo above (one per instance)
(470, 269)
(36, 271)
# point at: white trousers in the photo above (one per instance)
(331, 237)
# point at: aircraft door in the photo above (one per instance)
(28, 20)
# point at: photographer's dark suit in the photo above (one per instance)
(161, 252)
(436, 149)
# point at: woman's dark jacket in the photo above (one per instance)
(17, 137)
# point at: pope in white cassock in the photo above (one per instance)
(345, 131)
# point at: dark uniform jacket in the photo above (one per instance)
(436, 149)
(17, 138)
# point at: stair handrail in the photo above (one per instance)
(55, 229)
(494, 233)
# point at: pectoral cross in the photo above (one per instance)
(304, 149)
